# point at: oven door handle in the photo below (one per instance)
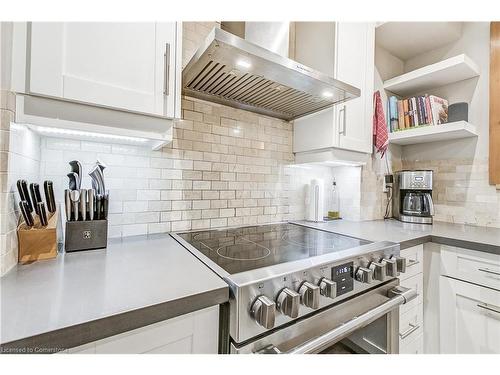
(399, 296)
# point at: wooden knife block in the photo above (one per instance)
(37, 242)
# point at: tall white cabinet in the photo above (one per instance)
(127, 66)
(350, 47)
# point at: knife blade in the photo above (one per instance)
(48, 188)
(25, 211)
(26, 194)
(35, 196)
(83, 204)
(67, 204)
(43, 214)
(91, 201)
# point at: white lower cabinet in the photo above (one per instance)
(193, 333)
(469, 318)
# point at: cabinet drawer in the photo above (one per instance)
(411, 325)
(415, 282)
(469, 318)
(414, 347)
(469, 265)
(196, 332)
(414, 261)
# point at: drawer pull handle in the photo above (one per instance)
(487, 270)
(412, 262)
(485, 306)
(409, 331)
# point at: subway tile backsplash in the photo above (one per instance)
(224, 167)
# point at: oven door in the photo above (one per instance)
(368, 323)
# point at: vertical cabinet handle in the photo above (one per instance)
(166, 86)
(343, 128)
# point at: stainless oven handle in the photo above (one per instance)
(399, 296)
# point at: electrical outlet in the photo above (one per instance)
(387, 183)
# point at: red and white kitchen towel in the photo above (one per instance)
(380, 136)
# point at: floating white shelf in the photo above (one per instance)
(424, 36)
(442, 73)
(433, 133)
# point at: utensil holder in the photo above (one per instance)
(37, 242)
(86, 235)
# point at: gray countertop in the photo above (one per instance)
(407, 235)
(85, 296)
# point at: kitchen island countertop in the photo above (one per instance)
(86, 296)
(478, 238)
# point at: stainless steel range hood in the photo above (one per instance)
(230, 70)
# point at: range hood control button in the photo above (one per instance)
(309, 295)
(328, 288)
(391, 267)
(288, 303)
(379, 271)
(364, 275)
(263, 310)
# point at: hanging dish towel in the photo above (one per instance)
(380, 136)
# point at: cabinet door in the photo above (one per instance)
(318, 130)
(129, 66)
(355, 51)
(469, 318)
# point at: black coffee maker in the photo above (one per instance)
(412, 197)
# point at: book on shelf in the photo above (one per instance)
(416, 111)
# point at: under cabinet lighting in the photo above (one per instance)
(327, 94)
(79, 133)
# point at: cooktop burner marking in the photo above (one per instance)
(218, 251)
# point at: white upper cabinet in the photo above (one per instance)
(355, 64)
(346, 51)
(126, 66)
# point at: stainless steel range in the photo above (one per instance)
(297, 289)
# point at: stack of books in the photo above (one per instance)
(416, 111)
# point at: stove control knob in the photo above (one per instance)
(391, 267)
(309, 295)
(263, 310)
(401, 263)
(328, 288)
(364, 275)
(379, 271)
(288, 303)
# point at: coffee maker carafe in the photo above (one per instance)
(412, 197)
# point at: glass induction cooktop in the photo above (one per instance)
(243, 249)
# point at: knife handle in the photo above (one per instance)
(83, 204)
(25, 211)
(48, 188)
(67, 204)
(26, 194)
(98, 207)
(34, 197)
(105, 207)
(43, 214)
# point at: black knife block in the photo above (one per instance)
(86, 235)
